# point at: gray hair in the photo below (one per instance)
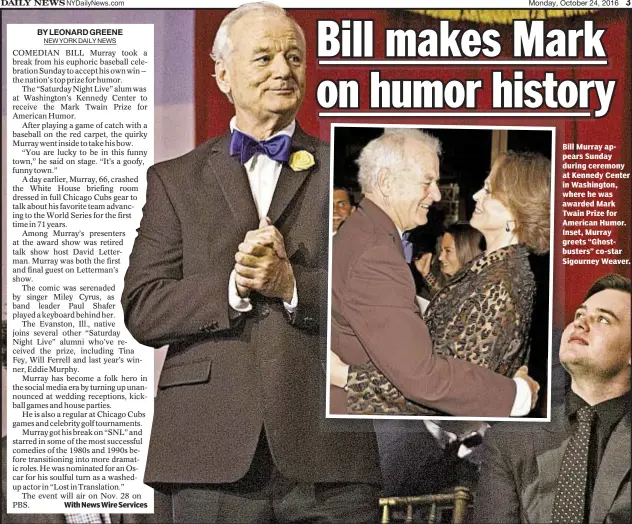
(391, 150)
(222, 45)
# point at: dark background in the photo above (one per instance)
(465, 158)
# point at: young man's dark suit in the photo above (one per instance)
(225, 380)
(521, 466)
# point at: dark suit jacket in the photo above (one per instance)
(375, 317)
(222, 381)
(521, 465)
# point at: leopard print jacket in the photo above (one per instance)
(482, 314)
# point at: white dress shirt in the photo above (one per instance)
(263, 175)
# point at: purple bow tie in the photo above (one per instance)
(276, 148)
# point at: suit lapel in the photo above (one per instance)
(233, 181)
(614, 467)
(290, 181)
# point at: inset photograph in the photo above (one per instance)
(441, 274)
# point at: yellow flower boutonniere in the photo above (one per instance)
(301, 160)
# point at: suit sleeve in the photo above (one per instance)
(311, 312)
(497, 498)
(380, 309)
(161, 305)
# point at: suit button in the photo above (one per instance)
(265, 311)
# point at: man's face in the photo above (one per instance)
(597, 342)
(342, 208)
(265, 75)
(415, 188)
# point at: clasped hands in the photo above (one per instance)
(261, 264)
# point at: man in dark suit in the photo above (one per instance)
(523, 477)
(230, 269)
(375, 318)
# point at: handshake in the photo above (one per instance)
(261, 264)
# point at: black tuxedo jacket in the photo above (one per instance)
(224, 381)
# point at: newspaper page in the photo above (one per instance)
(95, 93)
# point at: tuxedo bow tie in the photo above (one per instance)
(276, 148)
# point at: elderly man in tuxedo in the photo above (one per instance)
(575, 469)
(230, 269)
(375, 318)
